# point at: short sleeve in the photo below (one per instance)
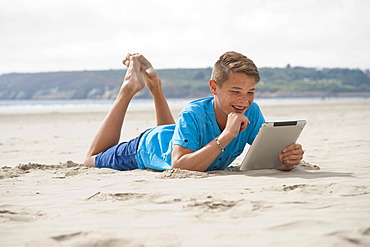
(187, 131)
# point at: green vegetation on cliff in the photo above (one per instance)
(183, 83)
(310, 79)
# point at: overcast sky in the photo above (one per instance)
(47, 35)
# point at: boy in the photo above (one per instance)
(210, 133)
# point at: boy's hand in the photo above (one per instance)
(291, 156)
(236, 122)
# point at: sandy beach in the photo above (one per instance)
(47, 198)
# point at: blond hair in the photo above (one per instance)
(233, 62)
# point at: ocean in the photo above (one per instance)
(66, 106)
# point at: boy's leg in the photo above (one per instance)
(153, 82)
(110, 131)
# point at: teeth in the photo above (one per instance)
(239, 107)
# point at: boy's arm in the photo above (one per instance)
(201, 159)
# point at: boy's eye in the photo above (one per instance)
(250, 93)
(235, 92)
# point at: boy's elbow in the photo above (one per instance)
(178, 165)
(175, 164)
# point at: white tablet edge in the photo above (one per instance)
(277, 136)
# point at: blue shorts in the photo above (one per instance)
(120, 157)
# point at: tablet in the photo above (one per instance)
(270, 141)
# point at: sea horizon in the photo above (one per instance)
(100, 105)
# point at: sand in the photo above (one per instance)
(47, 198)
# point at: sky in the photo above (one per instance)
(70, 35)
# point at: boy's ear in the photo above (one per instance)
(213, 86)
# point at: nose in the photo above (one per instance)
(243, 98)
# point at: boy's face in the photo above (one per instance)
(235, 95)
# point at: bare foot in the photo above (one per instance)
(148, 72)
(126, 61)
(133, 81)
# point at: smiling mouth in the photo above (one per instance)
(239, 109)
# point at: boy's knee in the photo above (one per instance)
(89, 161)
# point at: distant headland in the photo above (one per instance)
(185, 83)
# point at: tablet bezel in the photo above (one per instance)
(270, 141)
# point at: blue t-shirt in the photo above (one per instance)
(196, 127)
